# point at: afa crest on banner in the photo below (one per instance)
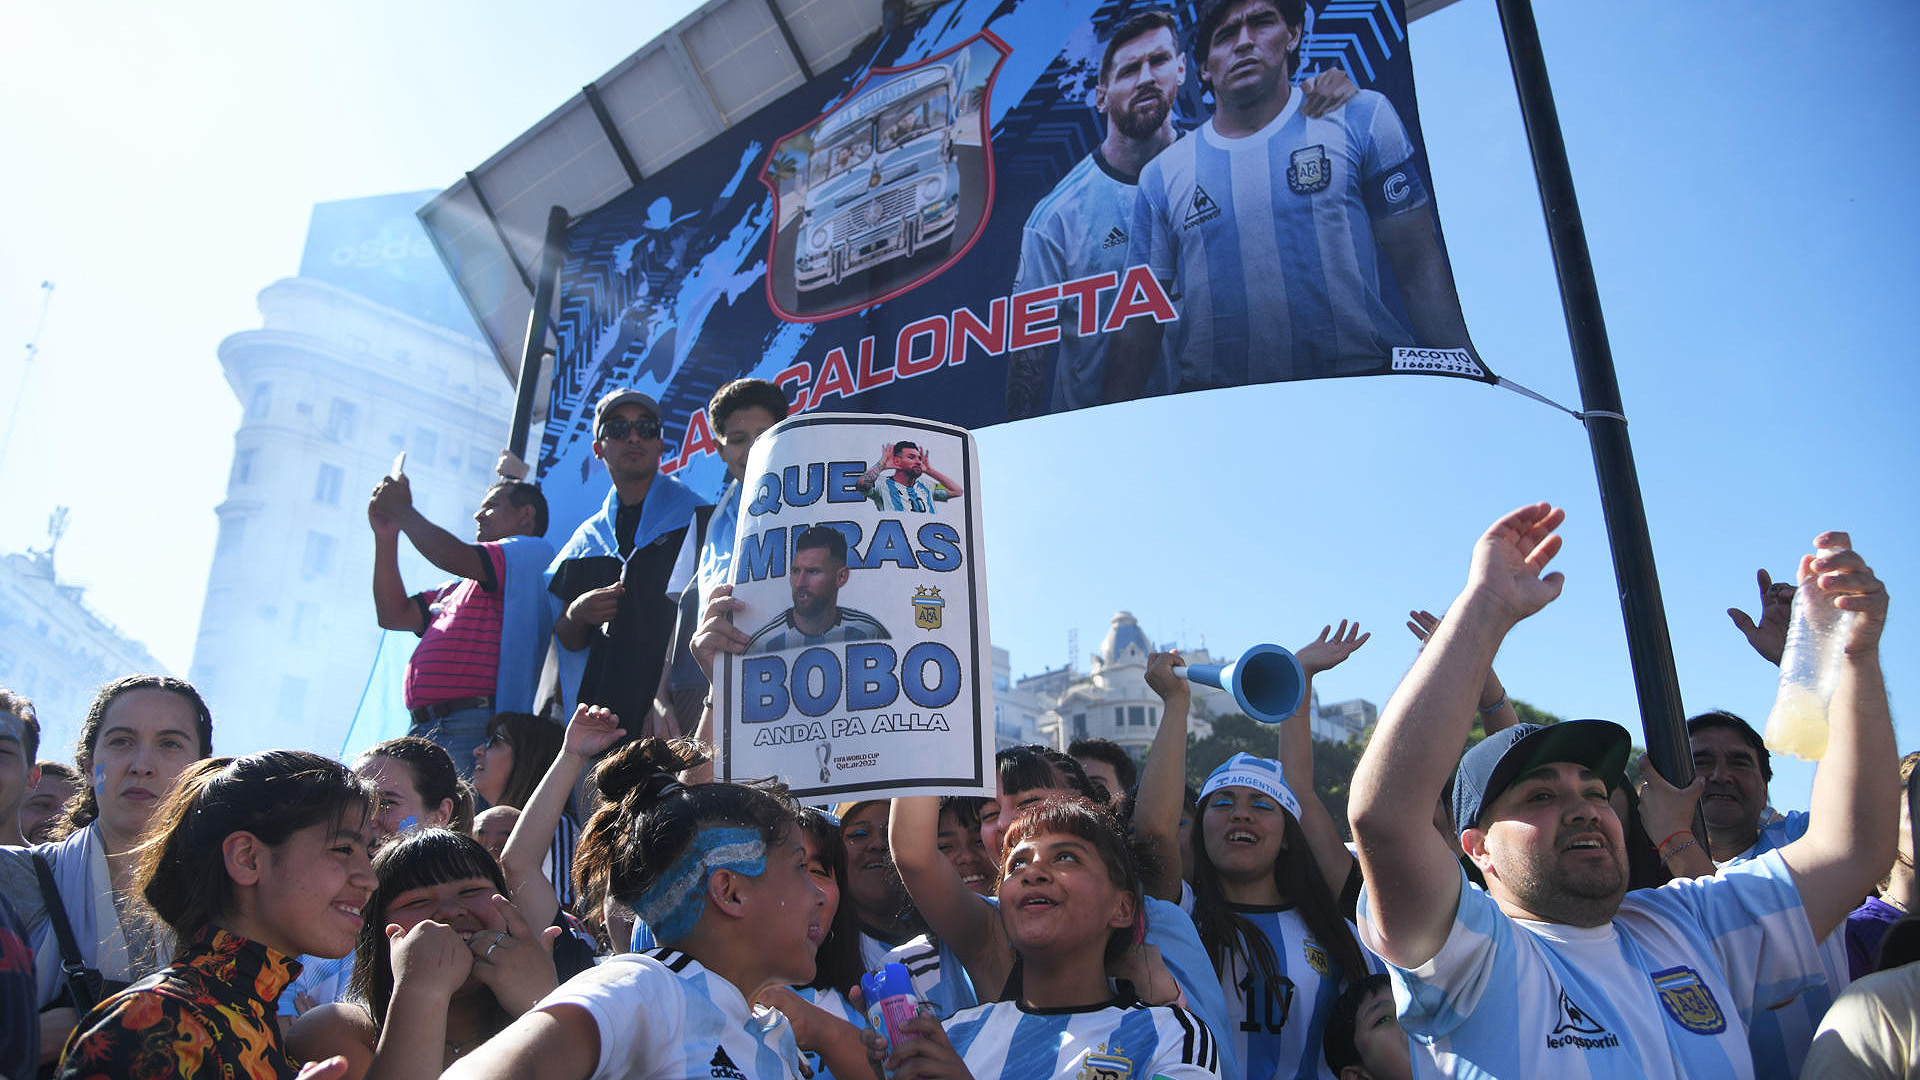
(867, 670)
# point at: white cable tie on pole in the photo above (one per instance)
(1583, 417)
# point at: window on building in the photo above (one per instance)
(326, 485)
(306, 623)
(292, 705)
(1080, 725)
(1137, 715)
(260, 401)
(233, 533)
(242, 468)
(343, 419)
(318, 558)
(1119, 715)
(424, 448)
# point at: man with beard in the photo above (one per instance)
(1081, 227)
(816, 575)
(1267, 227)
(904, 480)
(1556, 969)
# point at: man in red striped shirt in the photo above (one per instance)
(484, 634)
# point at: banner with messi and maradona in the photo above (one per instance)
(1019, 207)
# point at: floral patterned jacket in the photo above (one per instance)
(207, 1016)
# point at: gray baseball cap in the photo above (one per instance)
(617, 398)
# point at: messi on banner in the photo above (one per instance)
(867, 669)
(1023, 207)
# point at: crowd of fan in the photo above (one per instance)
(612, 911)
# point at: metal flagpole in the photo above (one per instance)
(1651, 651)
(551, 252)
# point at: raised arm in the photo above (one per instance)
(1496, 712)
(393, 496)
(1768, 636)
(1323, 653)
(1854, 815)
(1413, 882)
(1163, 776)
(955, 913)
(715, 635)
(590, 732)
(394, 609)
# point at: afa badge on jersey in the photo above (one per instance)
(1105, 1067)
(1309, 171)
(1689, 1001)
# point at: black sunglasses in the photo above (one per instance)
(618, 428)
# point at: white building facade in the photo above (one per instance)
(334, 384)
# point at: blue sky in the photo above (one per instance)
(1744, 175)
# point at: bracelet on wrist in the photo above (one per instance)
(1489, 710)
(1677, 833)
(1691, 842)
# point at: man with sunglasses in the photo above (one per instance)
(613, 619)
(482, 634)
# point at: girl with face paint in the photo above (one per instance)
(720, 872)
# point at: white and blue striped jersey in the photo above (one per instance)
(661, 1016)
(848, 625)
(939, 978)
(1276, 1021)
(1006, 1041)
(1665, 990)
(917, 497)
(1780, 1037)
(1265, 243)
(1079, 229)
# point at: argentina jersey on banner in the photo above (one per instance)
(1012, 208)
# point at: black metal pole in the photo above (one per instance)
(1648, 647)
(535, 348)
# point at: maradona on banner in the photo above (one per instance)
(868, 670)
(1020, 207)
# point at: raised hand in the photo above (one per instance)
(1768, 636)
(1331, 648)
(592, 729)
(1161, 678)
(1853, 586)
(1422, 623)
(716, 633)
(1509, 560)
(511, 959)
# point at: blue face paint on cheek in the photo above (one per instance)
(100, 780)
(408, 823)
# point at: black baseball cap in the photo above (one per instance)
(1491, 767)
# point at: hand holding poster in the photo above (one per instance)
(867, 669)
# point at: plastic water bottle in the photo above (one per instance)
(1809, 667)
(890, 1003)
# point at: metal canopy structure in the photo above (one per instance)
(712, 70)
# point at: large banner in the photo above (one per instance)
(868, 671)
(1019, 207)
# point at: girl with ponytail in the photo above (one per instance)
(720, 872)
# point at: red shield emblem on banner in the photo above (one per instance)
(887, 188)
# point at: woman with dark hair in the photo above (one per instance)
(418, 786)
(508, 767)
(1070, 899)
(720, 872)
(138, 735)
(443, 962)
(251, 862)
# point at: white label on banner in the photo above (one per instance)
(868, 672)
(1437, 362)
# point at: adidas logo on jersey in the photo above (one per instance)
(1201, 208)
(1115, 238)
(724, 1067)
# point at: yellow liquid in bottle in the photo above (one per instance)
(1798, 724)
